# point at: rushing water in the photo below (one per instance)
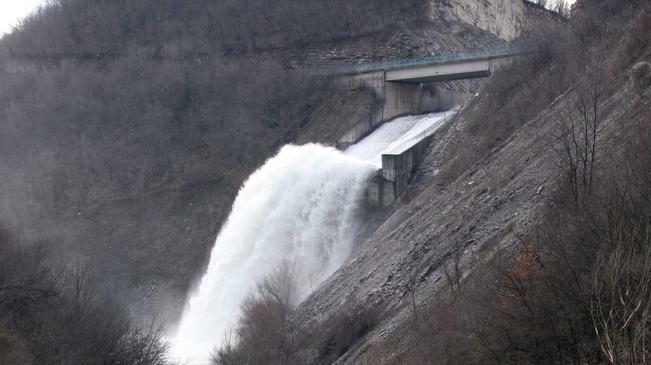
(301, 206)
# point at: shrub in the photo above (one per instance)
(621, 302)
(61, 316)
(263, 334)
(576, 291)
(343, 330)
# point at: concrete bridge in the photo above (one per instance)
(407, 87)
(441, 72)
(432, 68)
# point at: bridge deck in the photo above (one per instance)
(432, 59)
(440, 72)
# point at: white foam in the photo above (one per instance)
(397, 136)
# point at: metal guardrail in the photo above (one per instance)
(431, 59)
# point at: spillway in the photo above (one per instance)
(301, 206)
(396, 136)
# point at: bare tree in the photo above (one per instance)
(453, 272)
(578, 130)
(263, 334)
(412, 286)
(621, 302)
(82, 286)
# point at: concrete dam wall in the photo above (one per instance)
(397, 99)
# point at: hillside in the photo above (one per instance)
(126, 138)
(127, 129)
(434, 284)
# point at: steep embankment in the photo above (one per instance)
(474, 213)
(486, 182)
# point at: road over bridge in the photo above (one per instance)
(435, 68)
(409, 86)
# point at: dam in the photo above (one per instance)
(413, 87)
(304, 206)
(395, 148)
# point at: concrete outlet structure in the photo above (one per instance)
(397, 170)
(409, 87)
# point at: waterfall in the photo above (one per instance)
(300, 206)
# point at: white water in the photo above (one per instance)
(397, 136)
(301, 206)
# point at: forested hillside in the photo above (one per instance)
(127, 127)
(168, 28)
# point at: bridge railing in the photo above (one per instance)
(431, 59)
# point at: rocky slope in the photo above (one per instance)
(482, 186)
(474, 214)
(504, 18)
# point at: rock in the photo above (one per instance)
(641, 75)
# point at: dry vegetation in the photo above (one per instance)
(117, 102)
(128, 126)
(265, 333)
(58, 314)
(575, 290)
(97, 29)
(126, 129)
(133, 140)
